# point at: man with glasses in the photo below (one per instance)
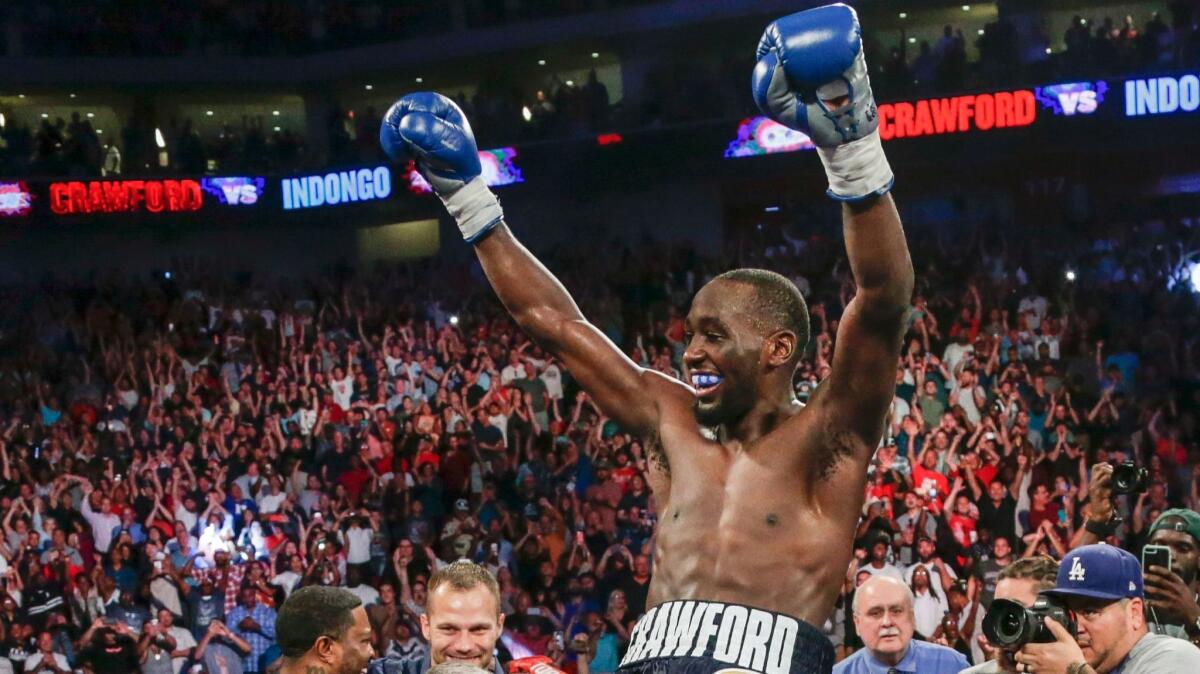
(1102, 587)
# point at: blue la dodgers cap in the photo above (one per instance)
(1099, 571)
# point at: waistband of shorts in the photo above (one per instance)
(733, 635)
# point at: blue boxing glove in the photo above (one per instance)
(429, 128)
(811, 76)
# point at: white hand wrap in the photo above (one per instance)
(474, 208)
(858, 169)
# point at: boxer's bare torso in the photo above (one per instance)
(767, 523)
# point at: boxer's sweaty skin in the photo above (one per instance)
(757, 496)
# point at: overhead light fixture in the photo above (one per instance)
(903, 15)
(1048, 50)
(526, 113)
(209, 113)
(91, 115)
(278, 129)
(158, 138)
(595, 54)
(2, 120)
(981, 31)
(72, 95)
(45, 115)
(275, 113)
(570, 83)
(420, 80)
(966, 8)
(912, 40)
(100, 131)
(369, 87)
(20, 95)
(541, 62)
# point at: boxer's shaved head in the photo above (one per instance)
(778, 304)
(745, 332)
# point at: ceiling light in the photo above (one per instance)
(369, 87)
(275, 113)
(209, 113)
(595, 54)
(158, 138)
(541, 62)
(903, 15)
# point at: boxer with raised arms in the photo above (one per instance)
(758, 495)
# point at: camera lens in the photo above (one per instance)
(1006, 623)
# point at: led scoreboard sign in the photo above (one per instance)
(341, 187)
(75, 197)
(957, 114)
(15, 198)
(1162, 95)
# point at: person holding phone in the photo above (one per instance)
(1170, 564)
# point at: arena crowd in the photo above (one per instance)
(181, 452)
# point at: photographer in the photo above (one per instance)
(1172, 593)
(1102, 520)
(1019, 582)
(1101, 585)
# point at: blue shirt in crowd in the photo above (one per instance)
(922, 658)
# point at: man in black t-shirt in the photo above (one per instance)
(110, 647)
(997, 511)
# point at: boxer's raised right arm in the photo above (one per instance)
(430, 129)
(540, 304)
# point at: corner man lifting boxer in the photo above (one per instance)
(758, 495)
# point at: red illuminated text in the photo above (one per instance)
(979, 112)
(125, 196)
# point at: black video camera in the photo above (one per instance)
(1128, 478)
(1010, 625)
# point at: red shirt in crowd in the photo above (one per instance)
(925, 479)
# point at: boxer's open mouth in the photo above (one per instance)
(705, 383)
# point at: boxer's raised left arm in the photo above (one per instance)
(811, 75)
(862, 379)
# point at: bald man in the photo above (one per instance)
(883, 616)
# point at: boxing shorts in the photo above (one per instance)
(704, 637)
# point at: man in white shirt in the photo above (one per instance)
(184, 641)
(552, 377)
(355, 584)
(288, 580)
(341, 385)
(878, 564)
(514, 370)
(103, 523)
(357, 539)
(1036, 305)
(46, 661)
